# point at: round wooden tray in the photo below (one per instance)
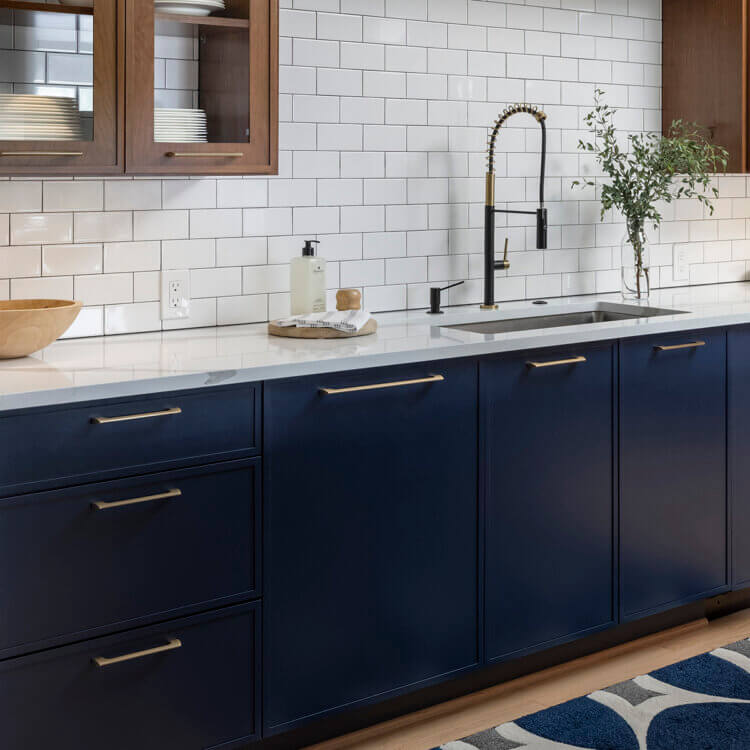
(293, 332)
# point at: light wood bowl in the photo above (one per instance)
(28, 325)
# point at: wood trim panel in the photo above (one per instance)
(102, 155)
(704, 69)
(260, 154)
(23, 5)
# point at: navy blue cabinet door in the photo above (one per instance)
(547, 437)
(673, 509)
(370, 547)
(738, 430)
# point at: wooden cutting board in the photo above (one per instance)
(293, 332)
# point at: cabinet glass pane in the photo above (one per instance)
(46, 71)
(201, 71)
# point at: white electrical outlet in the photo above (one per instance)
(681, 263)
(175, 294)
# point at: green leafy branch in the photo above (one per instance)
(653, 168)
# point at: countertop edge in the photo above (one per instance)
(479, 346)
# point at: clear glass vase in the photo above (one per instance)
(635, 270)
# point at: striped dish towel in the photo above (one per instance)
(348, 321)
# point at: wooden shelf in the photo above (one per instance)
(78, 10)
(234, 23)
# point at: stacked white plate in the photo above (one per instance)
(26, 117)
(179, 125)
(189, 7)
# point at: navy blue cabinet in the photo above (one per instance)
(548, 461)
(738, 431)
(83, 558)
(188, 684)
(673, 510)
(108, 439)
(370, 559)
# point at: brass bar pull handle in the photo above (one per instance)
(41, 153)
(132, 417)
(103, 505)
(691, 345)
(378, 386)
(557, 362)
(215, 155)
(104, 661)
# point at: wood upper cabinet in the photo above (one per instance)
(225, 65)
(61, 100)
(704, 68)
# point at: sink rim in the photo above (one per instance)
(638, 312)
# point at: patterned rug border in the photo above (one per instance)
(701, 703)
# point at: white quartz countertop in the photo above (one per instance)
(118, 366)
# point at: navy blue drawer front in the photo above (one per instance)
(55, 446)
(196, 688)
(88, 557)
(673, 503)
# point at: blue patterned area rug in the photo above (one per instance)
(698, 704)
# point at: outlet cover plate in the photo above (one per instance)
(681, 263)
(175, 295)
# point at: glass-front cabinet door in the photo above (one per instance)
(60, 109)
(202, 86)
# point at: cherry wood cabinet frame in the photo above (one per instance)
(260, 154)
(104, 154)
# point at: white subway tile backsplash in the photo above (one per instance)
(241, 251)
(35, 228)
(122, 257)
(20, 196)
(260, 222)
(187, 254)
(383, 30)
(215, 282)
(131, 195)
(132, 318)
(104, 289)
(362, 55)
(217, 222)
(248, 308)
(189, 194)
(20, 261)
(71, 260)
(242, 193)
(48, 287)
(161, 225)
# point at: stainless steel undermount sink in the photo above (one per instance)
(602, 313)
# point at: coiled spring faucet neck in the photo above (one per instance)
(490, 264)
(515, 109)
